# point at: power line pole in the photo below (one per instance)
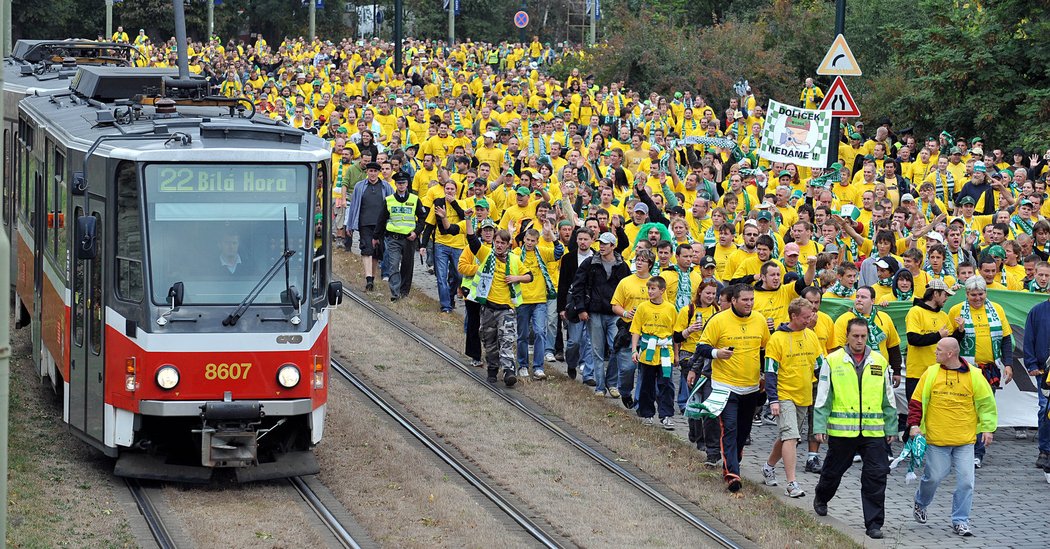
(313, 19)
(840, 28)
(109, 19)
(451, 22)
(399, 14)
(594, 20)
(211, 19)
(8, 38)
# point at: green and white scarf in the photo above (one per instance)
(652, 347)
(710, 238)
(486, 276)
(685, 289)
(841, 290)
(995, 329)
(1023, 224)
(1036, 289)
(945, 186)
(904, 296)
(875, 334)
(552, 293)
(851, 245)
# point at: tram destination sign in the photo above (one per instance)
(223, 178)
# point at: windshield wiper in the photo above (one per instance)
(286, 255)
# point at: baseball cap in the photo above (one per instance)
(607, 238)
(784, 173)
(979, 166)
(488, 223)
(765, 216)
(907, 198)
(792, 249)
(707, 261)
(887, 263)
(481, 203)
(1025, 202)
(955, 150)
(523, 191)
(996, 251)
(966, 200)
(938, 284)
(751, 222)
(831, 249)
(641, 207)
(490, 135)
(676, 210)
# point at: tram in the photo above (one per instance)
(173, 268)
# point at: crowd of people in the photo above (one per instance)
(642, 240)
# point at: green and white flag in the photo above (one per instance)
(793, 134)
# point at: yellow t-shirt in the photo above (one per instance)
(825, 330)
(535, 291)
(774, 304)
(654, 320)
(670, 276)
(981, 330)
(631, 292)
(684, 319)
(882, 320)
(793, 357)
(923, 321)
(747, 336)
(500, 292)
(951, 418)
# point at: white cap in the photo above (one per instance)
(907, 198)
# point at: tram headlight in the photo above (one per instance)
(288, 376)
(167, 377)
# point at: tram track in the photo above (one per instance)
(601, 456)
(519, 516)
(324, 513)
(143, 498)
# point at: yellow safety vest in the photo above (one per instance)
(402, 214)
(857, 411)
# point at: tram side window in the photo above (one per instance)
(128, 240)
(321, 232)
(60, 210)
(95, 289)
(78, 293)
(8, 195)
(48, 190)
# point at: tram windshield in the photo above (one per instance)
(217, 228)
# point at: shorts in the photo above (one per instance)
(339, 216)
(792, 420)
(365, 233)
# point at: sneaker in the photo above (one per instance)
(628, 401)
(1020, 434)
(668, 423)
(977, 463)
(614, 392)
(820, 507)
(1043, 462)
(712, 460)
(856, 458)
(560, 357)
(539, 374)
(509, 378)
(769, 475)
(647, 421)
(813, 465)
(599, 393)
(549, 357)
(733, 484)
(793, 490)
(962, 529)
(875, 532)
(475, 363)
(369, 286)
(571, 372)
(386, 278)
(430, 270)
(590, 382)
(769, 419)
(919, 513)
(757, 420)
(523, 372)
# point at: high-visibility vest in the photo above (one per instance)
(402, 214)
(857, 411)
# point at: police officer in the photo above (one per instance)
(400, 223)
(855, 414)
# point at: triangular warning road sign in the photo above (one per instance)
(839, 60)
(839, 100)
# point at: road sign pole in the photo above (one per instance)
(313, 19)
(109, 19)
(594, 22)
(521, 31)
(840, 28)
(211, 18)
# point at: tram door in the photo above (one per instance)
(86, 371)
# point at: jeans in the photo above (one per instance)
(534, 316)
(552, 325)
(978, 447)
(628, 372)
(735, 422)
(939, 461)
(472, 327)
(683, 385)
(399, 261)
(603, 330)
(655, 387)
(579, 355)
(1044, 422)
(446, 269)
